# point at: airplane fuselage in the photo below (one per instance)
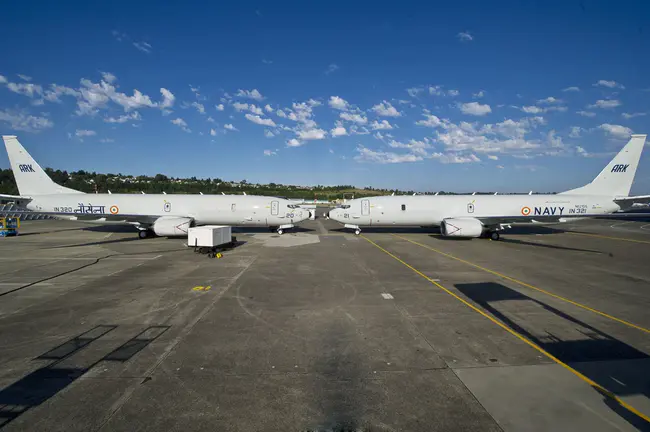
(431, 210)
(235, 210)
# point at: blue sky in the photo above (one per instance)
(462, 96)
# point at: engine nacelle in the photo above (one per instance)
(461, 227)
(171, 226)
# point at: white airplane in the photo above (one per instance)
(159, 214)
(485, 215)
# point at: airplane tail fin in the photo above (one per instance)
(617, 177)
(31, 179)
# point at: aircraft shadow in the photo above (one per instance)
(99, 243)
(39, 386)
(257, 230)
(542, 245)
(611, 363)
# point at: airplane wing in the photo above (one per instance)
(15, 197)
(633, 201)
(515, 220)
(98, 217)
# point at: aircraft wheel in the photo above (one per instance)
(143, 234)
(357, 231)
(494, 235)
(280, 231)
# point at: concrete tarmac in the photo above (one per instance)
(321, 330)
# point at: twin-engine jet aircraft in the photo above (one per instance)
(152, 214)
(486, 215)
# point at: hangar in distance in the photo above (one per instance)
(486, 215)
(152, 214)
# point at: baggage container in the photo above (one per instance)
(209, 236)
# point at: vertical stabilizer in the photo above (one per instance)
(31, 179)
(617, 177)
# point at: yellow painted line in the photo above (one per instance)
(517, 281)
(608, 237)
(524, 339)
(202, 288)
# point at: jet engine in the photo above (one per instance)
(171, 226)
(462, 227)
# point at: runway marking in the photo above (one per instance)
(619, 224)
(608, 237)
(107, 235)
(202, 288)
(643, 227)
(517, 281)
(519, 336)
(387, 296)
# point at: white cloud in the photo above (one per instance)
(453, 93)
(464, 36)
(3, 79)
(230, 127)
(124, 118)
(268, 133)
(493, 157)
(213, 132)
(414, 146)
(532, 109)
(181, 124)
(240, 106)
(582, 152)
(383, 125)
(338, 103)
(385, 109)
(632, 115)
(25, 89)
(549, 100)
(109, 77)
(168, 98)
(311, 134)
(479, 95)
(269, 153)
(610, 84)
(414, 91)
(119, 35)
(380, 157)
(199, 107)
(24, 77)
(554, 140)
(605, 103)
(25, 122)
(576, 131)
(431, 121)
(338, 130)
(143, 46)
(259, 120)
(616, 131)
(571, 89)
(210, 119)
(355, 118)
(256, 110)
(475, 108)
(250, 94)
(331, 68)
(454, 158)
(219, 107)
(281, 114)
(586, 113)
(268, 108)
(358, 130)
(294, 143)
(85, 133)
(106, 140)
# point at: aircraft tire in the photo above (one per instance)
(494, 235)
(143, 234)
(357, 231)
(280, 231)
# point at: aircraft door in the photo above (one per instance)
(365, 207)
(275, 206)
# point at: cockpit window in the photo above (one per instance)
(293, 206)
(344, 206)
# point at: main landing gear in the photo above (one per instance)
(356, 228)
(280, 229)
(494, 235)
(145, 233)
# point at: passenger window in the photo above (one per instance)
(403, 207)
(233, 207)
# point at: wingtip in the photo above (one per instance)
(639, 135)
(6, 137)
